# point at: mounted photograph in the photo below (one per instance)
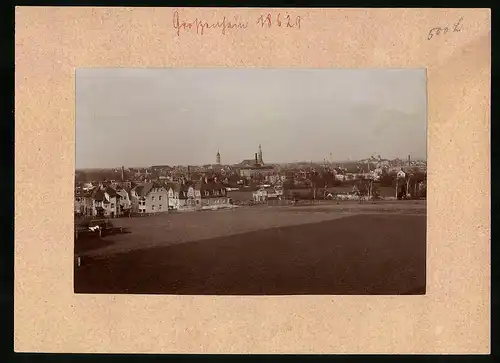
(250, 181)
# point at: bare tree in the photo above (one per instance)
(408, 179)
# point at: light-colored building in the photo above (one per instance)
(255, 167)
(213, 194)
(189, 196)
(257, 171)
(105, 202)
(124, 202)
(275, 178)
(400, 174)
(204, 194)
(267, 193)
(260, 195)
(173, 189)
(88, 186)
(149, 197)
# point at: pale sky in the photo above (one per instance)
(144, 117)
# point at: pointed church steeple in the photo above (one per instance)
(217, 158)
(261, 161)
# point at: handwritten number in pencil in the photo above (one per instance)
(438, 30)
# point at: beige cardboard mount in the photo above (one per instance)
(454, 315)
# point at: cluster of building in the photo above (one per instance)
(254, 167)
(374, 168)
(162, 188)
(113, 199)
(194, 189)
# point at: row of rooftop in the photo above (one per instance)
(115, 199)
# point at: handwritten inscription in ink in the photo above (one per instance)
(457, 27)
(201, 25)
(281, 21)
(225, 24)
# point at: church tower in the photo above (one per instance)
(217, 158)
(261, 161)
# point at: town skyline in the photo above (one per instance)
(319, 162)
(184, 116)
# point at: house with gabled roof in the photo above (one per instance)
(150, 197)
(124, 205)
(213, 194)
(83, 202)
(173, 190)
(206, 193)
(105, 202)
(189, 195)
(267, 193)
(400, 174)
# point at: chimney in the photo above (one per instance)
(409, 161)
(189, 173)
(256, 162)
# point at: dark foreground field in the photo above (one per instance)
(357, 254)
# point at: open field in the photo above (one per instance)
(349, 248)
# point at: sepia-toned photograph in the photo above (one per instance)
(226, 181)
